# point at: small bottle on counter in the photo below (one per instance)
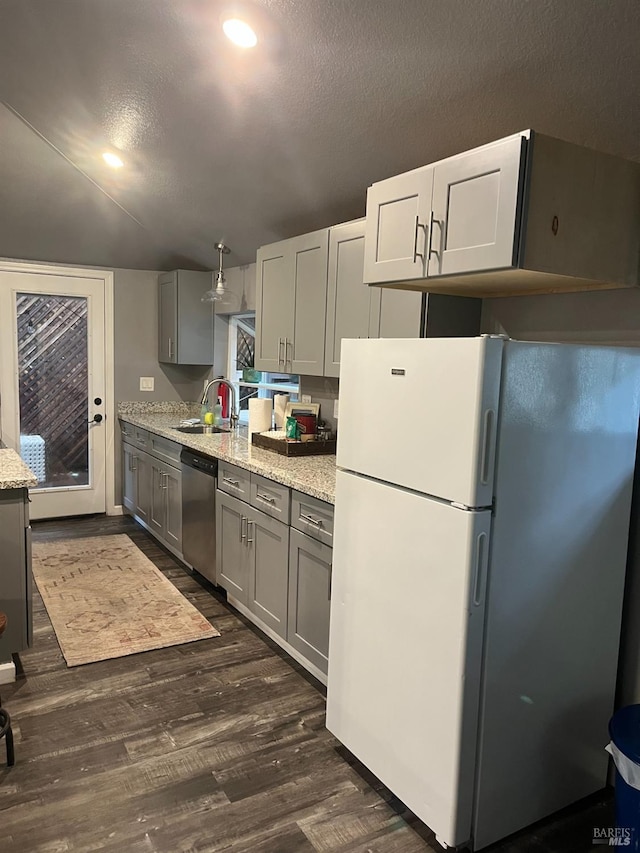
(217, 412)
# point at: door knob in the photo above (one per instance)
(96, 419)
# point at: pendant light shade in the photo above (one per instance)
(226, 299)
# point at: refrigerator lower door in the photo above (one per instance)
(407, 616)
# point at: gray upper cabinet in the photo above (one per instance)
(526, 214)
(400, 314)
(397, 223)
(275, 295)
(353, 308)
(305, 348)
(357, 310)
(268, 543)
(291, 292)
(185, 323)
(475, 207)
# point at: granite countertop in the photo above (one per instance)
(312, 475)
(14, 474)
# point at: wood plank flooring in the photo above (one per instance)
(212, 746)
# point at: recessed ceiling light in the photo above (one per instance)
(240, 33)
(112, 160)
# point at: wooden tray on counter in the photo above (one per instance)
(286, 447)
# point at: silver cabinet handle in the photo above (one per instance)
(330, 581)
(249, 522)
(416, 253)
(133, 467)
(243, 520)
(317, 522)
(231, 482)
(280, 356)
(165, 477)
(440, 224)
(170, 348)
(287, 344)
(265, 498)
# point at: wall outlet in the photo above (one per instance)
(306, 398)
(335, 408)
(147, 383)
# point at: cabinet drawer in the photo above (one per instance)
(233, 480)
(164, 449)
(272, 498)
(134, 435)
(313, 517)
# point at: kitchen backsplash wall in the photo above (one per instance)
(322, 390)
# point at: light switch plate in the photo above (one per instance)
(306, 398)
(335, 408)
(147, 383)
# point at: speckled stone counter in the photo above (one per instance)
(14, 474)
(313, 475)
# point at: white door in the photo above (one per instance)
(396, 235)
(475, 209)
(52, 380)
(421, 413)
(407, 617)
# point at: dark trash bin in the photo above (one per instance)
(624, 731)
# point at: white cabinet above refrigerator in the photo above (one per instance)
(526, 214)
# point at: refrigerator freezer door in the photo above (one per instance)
(407, 615)
(422, 414)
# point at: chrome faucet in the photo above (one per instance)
(233, 417)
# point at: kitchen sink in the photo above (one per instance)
(200, 429)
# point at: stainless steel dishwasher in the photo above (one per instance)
(199, 512)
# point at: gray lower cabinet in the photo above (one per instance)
(16, 587)
(232, 554)
(152, 484)
(268, 544)
(252, 559)
(165, 508)
(309, 598)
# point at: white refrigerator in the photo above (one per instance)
(481, 522)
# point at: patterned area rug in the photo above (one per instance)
(106, 600)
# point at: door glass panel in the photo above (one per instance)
(53, 388)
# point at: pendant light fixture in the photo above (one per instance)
(219, 292)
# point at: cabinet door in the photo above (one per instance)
(304, 348)
(350, 302)
(398, 212)
(232, 553)
(309, 598)
(168, 318)
(400, 313)
(268, 543)
(128, 478)
(275, 296)
(157, 505)
(142, 470)
(476, 209)
(194, 319)
(173, 507)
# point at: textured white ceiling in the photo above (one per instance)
(250, 147)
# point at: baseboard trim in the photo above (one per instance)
(116, 510)
(7, 673)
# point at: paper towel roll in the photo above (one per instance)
(260, 410)
(279, 405)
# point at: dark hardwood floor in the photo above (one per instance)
(217, 745)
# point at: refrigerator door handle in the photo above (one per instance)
(479, 572)
(486, 446)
